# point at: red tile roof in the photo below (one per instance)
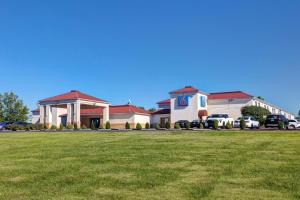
(187, 89)
(229, 95)
(73, 94)
(161, 112)
(128, 108)
(166, 101)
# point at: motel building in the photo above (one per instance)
(190, 104)
(78, 108)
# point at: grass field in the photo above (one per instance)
(150, 165)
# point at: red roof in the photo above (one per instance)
(187, 89)
(73, 94)
(229, 95)
(166, 101)
(128, 108)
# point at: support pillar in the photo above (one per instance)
(69, 113)
(77, 113)
(105, 114)
(48, 119)
(42, 115)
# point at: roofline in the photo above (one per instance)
(270, 104)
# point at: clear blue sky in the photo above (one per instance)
(141, 50)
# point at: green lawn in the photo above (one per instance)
(150, 165)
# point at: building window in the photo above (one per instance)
(202, 101)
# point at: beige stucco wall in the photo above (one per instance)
(155, 119)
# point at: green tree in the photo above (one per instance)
(127, 125)
(258, 112)
(107, 125)
(12, 108)
(138, 126)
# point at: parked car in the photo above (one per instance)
(273, 121)
(250, 122)
(294, 124)
(195, 124)
(4, 124)
(181, 123)
(221, 118)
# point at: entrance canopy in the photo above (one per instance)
(70, 103)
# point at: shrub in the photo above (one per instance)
(242, 124)
(187, 125)
(168, 125)
(83, 127)
(258, 112)
(138, 126)
(76, 126)
(46, 126)
(127, 125)
(176, 126)
(147, 126)
(107, 125)
(40, 126)
(100, 126)
(228, 125)
(280, 125)
(61, 126)
(215, 124)
(223, 125)
(93, 126)
(70, 126)
(157, 126)
(201, 126)
(53, 127)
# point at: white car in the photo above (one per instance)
(293, 123)
(221, 118)
(250, 122)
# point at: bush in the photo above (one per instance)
(61, 126)
(83, 127)
(93, 126)
(168, 125)
(40, 127)
(70, 126)
(147, 126)
(107, 125)
(176, 126)
(53, 127)
(201, 126)
(215, 124)
(127, 125)
(258, 112)
(242, 124)
(46, 126)
(15, 127)
(280, 125)
(76, 126)
(187, 125)
(100, 126)
(138, 126)
(157, 126)
(228, 125)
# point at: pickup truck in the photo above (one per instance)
(221, 118)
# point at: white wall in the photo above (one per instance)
(189, 112)
(142, 119)
(121, 118)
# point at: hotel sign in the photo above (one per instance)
(183, 100)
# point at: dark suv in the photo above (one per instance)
(273, 121)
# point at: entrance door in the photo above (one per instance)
(63, 120)
(95, 122)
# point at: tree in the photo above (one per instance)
(138, 126)
(12, 108)
(127, 125)
(258, 112)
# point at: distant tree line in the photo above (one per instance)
(12, 108)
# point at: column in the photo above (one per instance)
(105, 114)
(77, 113)
(42, 114)
(48, 119)
(69, 113)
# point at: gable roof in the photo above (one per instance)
(229, 95)
(165, 101)
(73, 94)
(187, 89)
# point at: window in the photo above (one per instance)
(202, 101)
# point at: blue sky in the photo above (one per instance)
(141, 50)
